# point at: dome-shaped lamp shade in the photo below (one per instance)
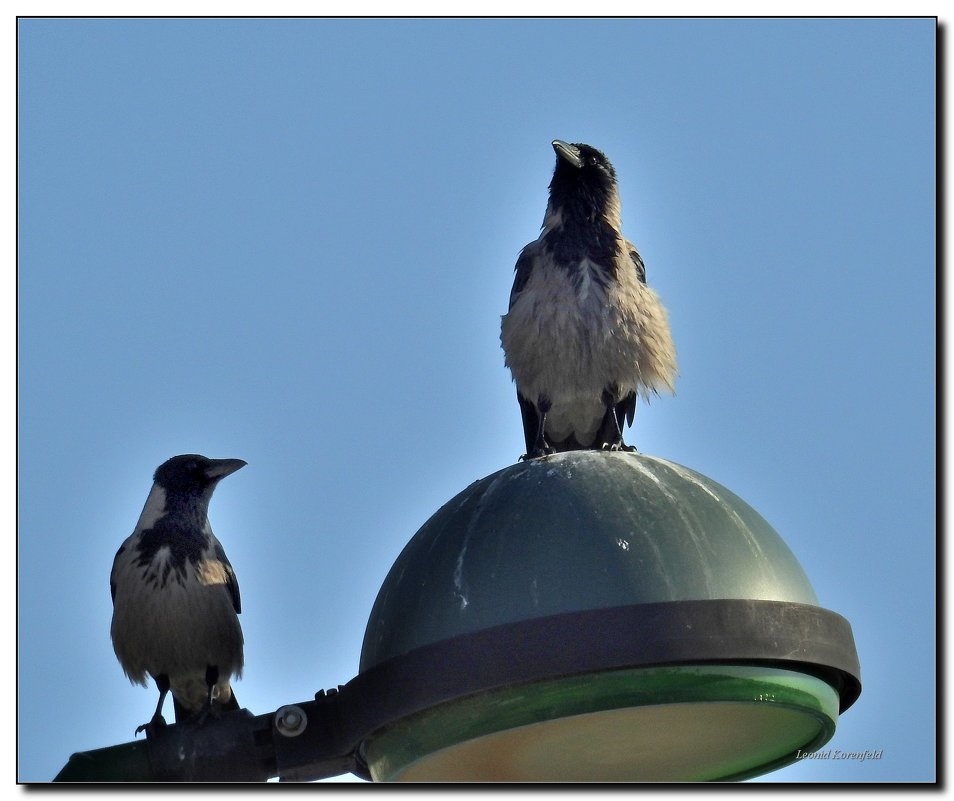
(600, 616)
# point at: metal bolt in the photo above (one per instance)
(291, 720)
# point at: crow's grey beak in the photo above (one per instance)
(220, 468)
(567, 152)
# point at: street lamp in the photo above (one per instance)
(603, 616)
(588, 616)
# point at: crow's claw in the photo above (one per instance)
(153, 727)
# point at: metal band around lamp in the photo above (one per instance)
(800, 638)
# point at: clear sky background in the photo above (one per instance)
(291, 241)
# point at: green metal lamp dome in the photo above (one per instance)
(598, 616)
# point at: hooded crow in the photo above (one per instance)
(584, 334)
(175, 596)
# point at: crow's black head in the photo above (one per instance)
(582, 218)
(581, 169)
(191, 474)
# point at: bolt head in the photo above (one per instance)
(291, 720)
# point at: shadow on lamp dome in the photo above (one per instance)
(595, 616)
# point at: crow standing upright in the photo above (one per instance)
(175, 596)
(584, 334)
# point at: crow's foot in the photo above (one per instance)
(153, 727)
(536, 453)
(617, 447)
(207, 713)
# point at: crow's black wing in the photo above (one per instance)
(231, 582)
(112, 581)
(637, 262)
(522, 270)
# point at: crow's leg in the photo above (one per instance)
(540, 446)
(211, 677)
(616, 430)
(158, 721)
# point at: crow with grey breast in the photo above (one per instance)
(175, 596)
(584, 334)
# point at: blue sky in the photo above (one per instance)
(291, 241)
